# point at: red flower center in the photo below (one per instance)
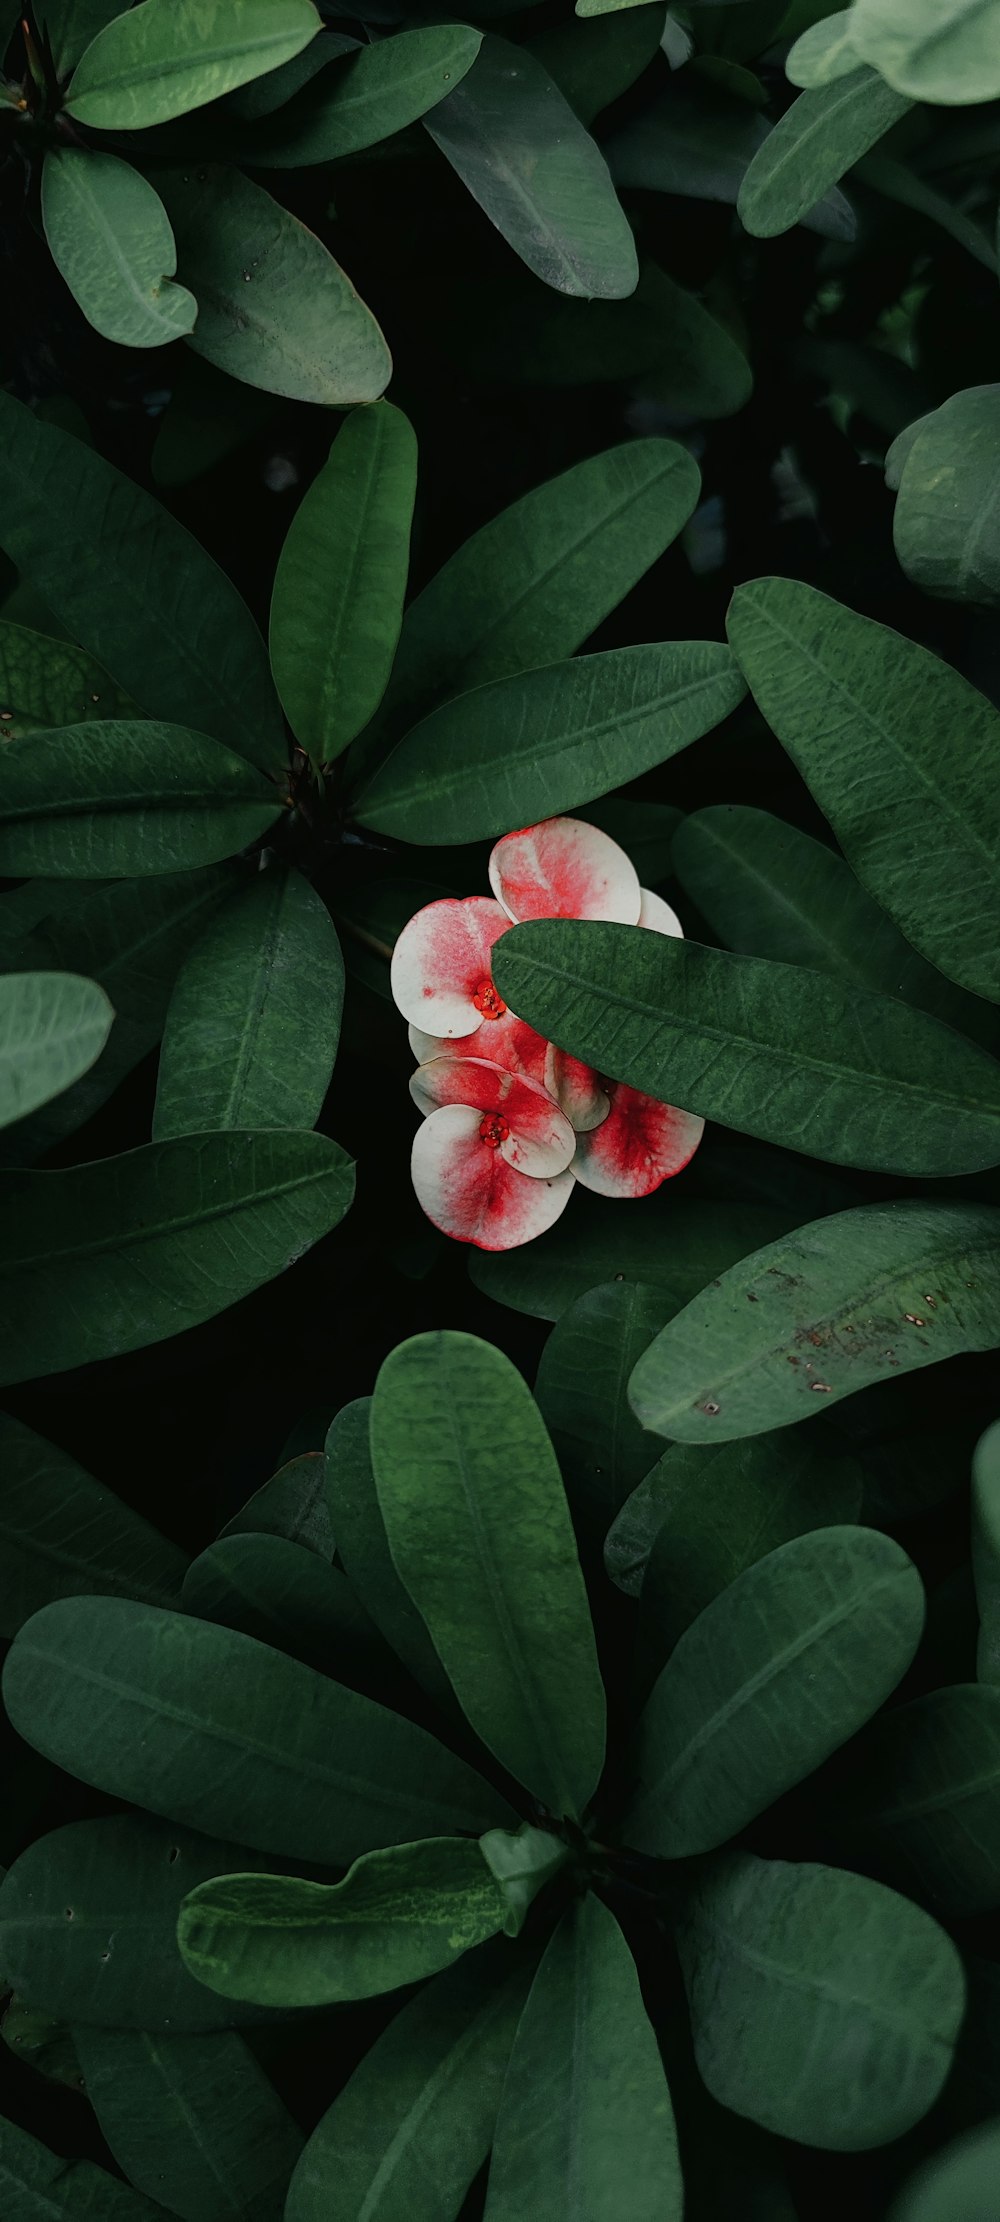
(493, 1130)
(487, 1002)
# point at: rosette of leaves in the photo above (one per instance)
(557, 1893)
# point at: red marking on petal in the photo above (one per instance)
(504, 1041)
(564, 868)
(537, 1138)
(641, 1144)
(472, 1193)
(442, 959)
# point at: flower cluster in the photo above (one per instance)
(510, 1121)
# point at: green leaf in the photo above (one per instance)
(480, 1534)
(870, 721)
(820, 136)
(586, 2110)
(949, 56)
(532, 585)
(926, 1789)
(252, 1028)
(898, 182)
(769, 890)
(193, 2121)
(168, 56)
(957, 2185)
(581, 1391)
(397, 1916)
(110, 238)
(46, 2044)
(285, 1595)
(134, 587)
(776, 1673)
(36, 2184)
(71, 24)
(675, 1246)
(538, 743)
(338, 592)
(122, 1877)
(843, 1302)
(377, 91)
(770, 1049)
(292, 1504)
(986, 1551)
(537, 174)
(274, 308)
(263, 95)
(702, 1516)
(822, 2005)
(947, 523)
(595, 63)
(823, 52)
(109, 801)
(63, 1535)
(49, 682)
(686, 359)
(414, 2123)
(700, 145)
(363, 1549)
(53, 1027)
(108, 1257)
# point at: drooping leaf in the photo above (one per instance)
(45, 682)
(536, 173)
(823, 2006)
(219, 1732)
(63, 1535)
(110, 238)
(585, 2121)
(675, 1246)
(108, 1257)
(53, 1027)
(286, 1596)
(252, 1028)
(869, 719)
(820, 136)
(582, 1392)
(540, 742)
(363, 1548)
(377, 91)
(480, 1534)
(193, 2121)
(986, 1551)
(926, 1790)
(844, 1302)
(168, 56)
(771, 1049)
(532, 585)
(338, 594)
(113, 801)
(37, 2184)
(946, 55)
(274, 308)
(947, 523)
(134, 588)
(957, 2185)
(776, 1673)
(415, 2121)
(292, 1504)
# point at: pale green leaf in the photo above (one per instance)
(947, 523)
(949, 54)
(377, 91)
(168, 56)
(819, 137)
(53, 1027)
(110, 238)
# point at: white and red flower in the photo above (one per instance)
(510, 1121)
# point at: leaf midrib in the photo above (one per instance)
(164, 1230)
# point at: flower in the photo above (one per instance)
(490, 1164)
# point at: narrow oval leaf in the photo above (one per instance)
(822, 2005)
(675, 1246)
(53, 1027)
(774, 1675)
(193, 2121)
(377, 91)
(823, 52)
(820, 136)
(217, 1731)
(46, 682)
(926, 1790)
(586, 2109)
(287, 1596)
(480, 1533)
(108, 1257)
(168, 56)
(537, 174)
(252, 1028)
(415, 2122)
(274, 308)
(844, 1302)
(582, 1393)
(397, 1916)
(947, 523)
(363, 1548)
(110, 801)
(773, 1050)
(532, 585)
(110, 237)
(530, 746)
(695, 143)
(292, 1504)
(38, 2184)
(871, 719)
(986, 1551)
(134, 588)
(63, 1535)
(338, 594)
(935, 54)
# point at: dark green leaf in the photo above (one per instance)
(284, 1595)
(169, 56)
(63, 1535)
(134, 587)
(252, 1028)
(536, 173)
(582, 1392)
(338, 592)
(53, 1027)
(481, 1537)
(49, 682)
(645, 830)
(586, 2126)
(363, 1548)
(687, 361)
(595, 63)
(950, 56)
(193, 2121)
(538, 743)
(820, 136)
(71, 24)
(110, 238)
(36, 2184)
(947, 522)
(676, 1246)
(110, 801)
(46, 2044)
(776, 1673)
(958, 2185)
(264, 94)
(823, 2006)
(694, 142)
(293, 1504)
(927, 1791)
(898, 182)
(870, 718)
(379, 90)
(844, 1302)
(986, 1551)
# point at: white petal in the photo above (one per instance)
(470, 1191)
(658, 915)
(441, 961)
(539, 1140)
(564, 868)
